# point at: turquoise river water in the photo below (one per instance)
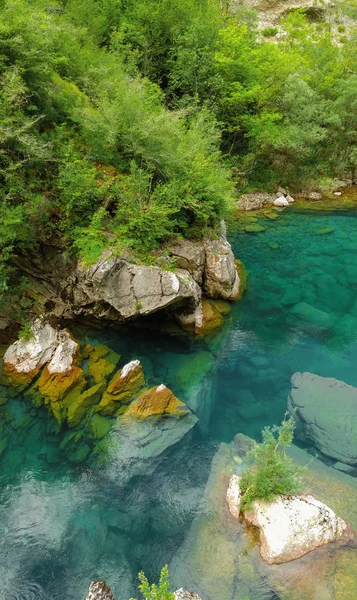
(64, 523)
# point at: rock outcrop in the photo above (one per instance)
(326, 416)
(125, 385)
(255, 200)
(44, 345)
(117, 289)
(220, 276)
(99, 590)
(290, 526)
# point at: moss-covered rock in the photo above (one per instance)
(102, 361)
(157, 402)
(80, 404)
(58, 390)
(123, 388)
(211, 318)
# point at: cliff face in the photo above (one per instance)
(117, 289)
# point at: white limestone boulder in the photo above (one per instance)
(290, 526)
(281, 202)
(182, 594)
(220, 275)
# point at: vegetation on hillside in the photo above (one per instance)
(128, 123)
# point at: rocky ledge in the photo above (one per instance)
(100, 590)
(117, 289)
(290, 526)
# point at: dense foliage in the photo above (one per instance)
(272, 472)
(129, 122)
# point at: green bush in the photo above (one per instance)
(272, 472)
(152, 592)
(270, 31)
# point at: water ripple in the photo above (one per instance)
(24, 591)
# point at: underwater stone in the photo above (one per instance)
(102, 361)
(325, 414)
(211, 318)
(79, 406)
(325, 230)
(254, 228)
(312, 315)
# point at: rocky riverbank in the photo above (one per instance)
(118, 289)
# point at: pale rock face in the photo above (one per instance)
(325, 414)
(28, 355)
(99, 590)
(281, 202)
(117, 290)
(62, 359)
(255, 200)
(290, 199)
(233, 496)
(292, 526)
(47, 345)
(221, 277)
(128, 368)
(190, 256)
(182, 594)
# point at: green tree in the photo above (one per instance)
(272, 472)
(152, 592)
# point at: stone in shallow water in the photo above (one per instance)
(325, 230)
(311, 315)
(99, 590)
(326, 415)
(254, 228)
(124, 386)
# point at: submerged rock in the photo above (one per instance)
(99, 590)
(325, 414)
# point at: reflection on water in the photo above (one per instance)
(63, 524)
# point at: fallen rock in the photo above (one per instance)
(99, 590)
(281, 201)
(312, 315)
(182, 594)
(159, 401)
(290, 199)
(325, 414)
(45, 345)
(211, 320)
(220, 276)
(292, 526)
(122, 389)
(255, 200)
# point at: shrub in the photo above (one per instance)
(152, 592)
(269, 31)
(272, 472)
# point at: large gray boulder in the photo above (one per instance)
(326, 415)
(220, 276)
(115, 289)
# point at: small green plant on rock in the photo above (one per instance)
(152, 592)
(272, 472)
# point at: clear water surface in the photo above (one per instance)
(63, 524)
